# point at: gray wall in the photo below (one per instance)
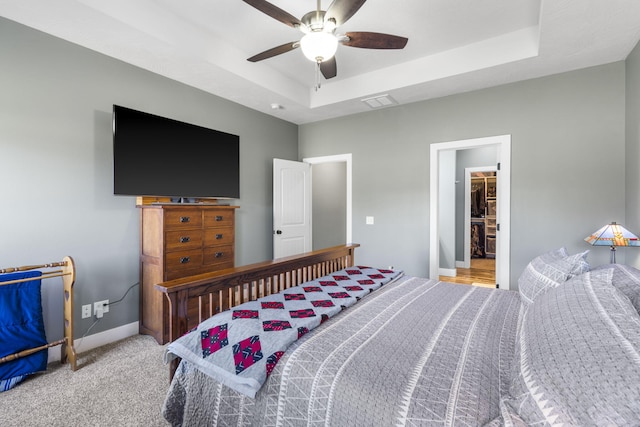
(56, 177)
(632, 154)
(568, 142)
(329, 190)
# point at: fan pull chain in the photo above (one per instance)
(317, 76)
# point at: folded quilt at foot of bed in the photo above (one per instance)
(241, 346)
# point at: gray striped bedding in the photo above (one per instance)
(578, 357)
(424, 353)
(415, 352)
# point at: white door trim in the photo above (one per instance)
(503, 250)
(347, 158)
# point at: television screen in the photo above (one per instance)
(158, 156)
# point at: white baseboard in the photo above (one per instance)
(449, 272)
(97, 340)
(462, 264)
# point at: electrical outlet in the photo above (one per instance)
(86, 311)
(101, 307)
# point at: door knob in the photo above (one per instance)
(278, 232)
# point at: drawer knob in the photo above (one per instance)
(185, 259)
(219, 254)
(219, 218)
(185, 219)
(218, 236)
(185, 239)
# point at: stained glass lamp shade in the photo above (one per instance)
(613, 235)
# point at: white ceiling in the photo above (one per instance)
(454, 45)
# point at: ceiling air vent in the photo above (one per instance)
(380, 101)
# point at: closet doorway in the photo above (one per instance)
(480, 219)
(441, 208)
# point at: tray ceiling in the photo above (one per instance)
(454, 46)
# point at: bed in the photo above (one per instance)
(563, 349)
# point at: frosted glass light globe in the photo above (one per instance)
(319, 46)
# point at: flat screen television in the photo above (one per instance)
(158, 156)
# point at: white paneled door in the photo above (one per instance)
(291, 208)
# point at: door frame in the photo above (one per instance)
(348, 159)
(503, 238)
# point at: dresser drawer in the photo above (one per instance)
(183, 260)
(218, 255)
(179, 274)
(218, 218)
(183, 239)
(182, 218)
(218, 236)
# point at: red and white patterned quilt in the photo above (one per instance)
(241, 346)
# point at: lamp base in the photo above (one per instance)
(613, 255)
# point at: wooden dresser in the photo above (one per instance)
(177, 241)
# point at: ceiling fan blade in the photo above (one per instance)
(275, 12)
(278, 50)
(342, 10)
(368, 40)
(329, 68)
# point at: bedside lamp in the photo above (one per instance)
(613, 235)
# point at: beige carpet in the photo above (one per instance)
(122, 384)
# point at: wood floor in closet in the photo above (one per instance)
(481, 273)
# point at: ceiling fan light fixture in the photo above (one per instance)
(319, 46)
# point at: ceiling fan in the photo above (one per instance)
(320, 40)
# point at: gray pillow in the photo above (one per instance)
(578, 357)
(627, 280)
(548, 271)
